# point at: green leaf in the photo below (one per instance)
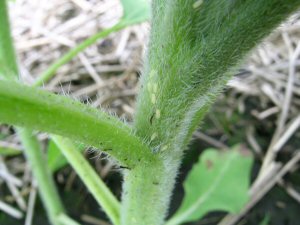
(8, 65)
(135, 11)
(220, 181)
(90, 178)
(56, 159)
(266, 220)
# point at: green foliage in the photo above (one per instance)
(193, 49)
(42, 174)
(219, 181)
(266, 220)
(55, 158)
(90, 178)
(135, 11)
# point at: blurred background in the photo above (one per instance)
(259, 109)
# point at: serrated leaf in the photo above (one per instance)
(136, 11)
(56, 159)
(218, 182)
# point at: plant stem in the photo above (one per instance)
(90, 178)
(146, 193)
(41, 110)
(190, 59)
(192, 53)
(8, 64)
(41, 173)
(50, 72)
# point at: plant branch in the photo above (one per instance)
(90, 178)
(41, 110)
(41, 173)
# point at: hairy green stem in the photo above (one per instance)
(41, 110)
(90, 178)
(42, 174)
(193, 51)
(146, 193)
(50, 72)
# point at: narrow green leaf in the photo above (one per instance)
(41, 172)
(220, 181)
(266, 220)
(8, 65)
(56, 159)
(136, 11)
(90, 178)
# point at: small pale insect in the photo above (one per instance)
(197, 4)
(154, 135)
(157, 114)
(165, 147)
(153, 98)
